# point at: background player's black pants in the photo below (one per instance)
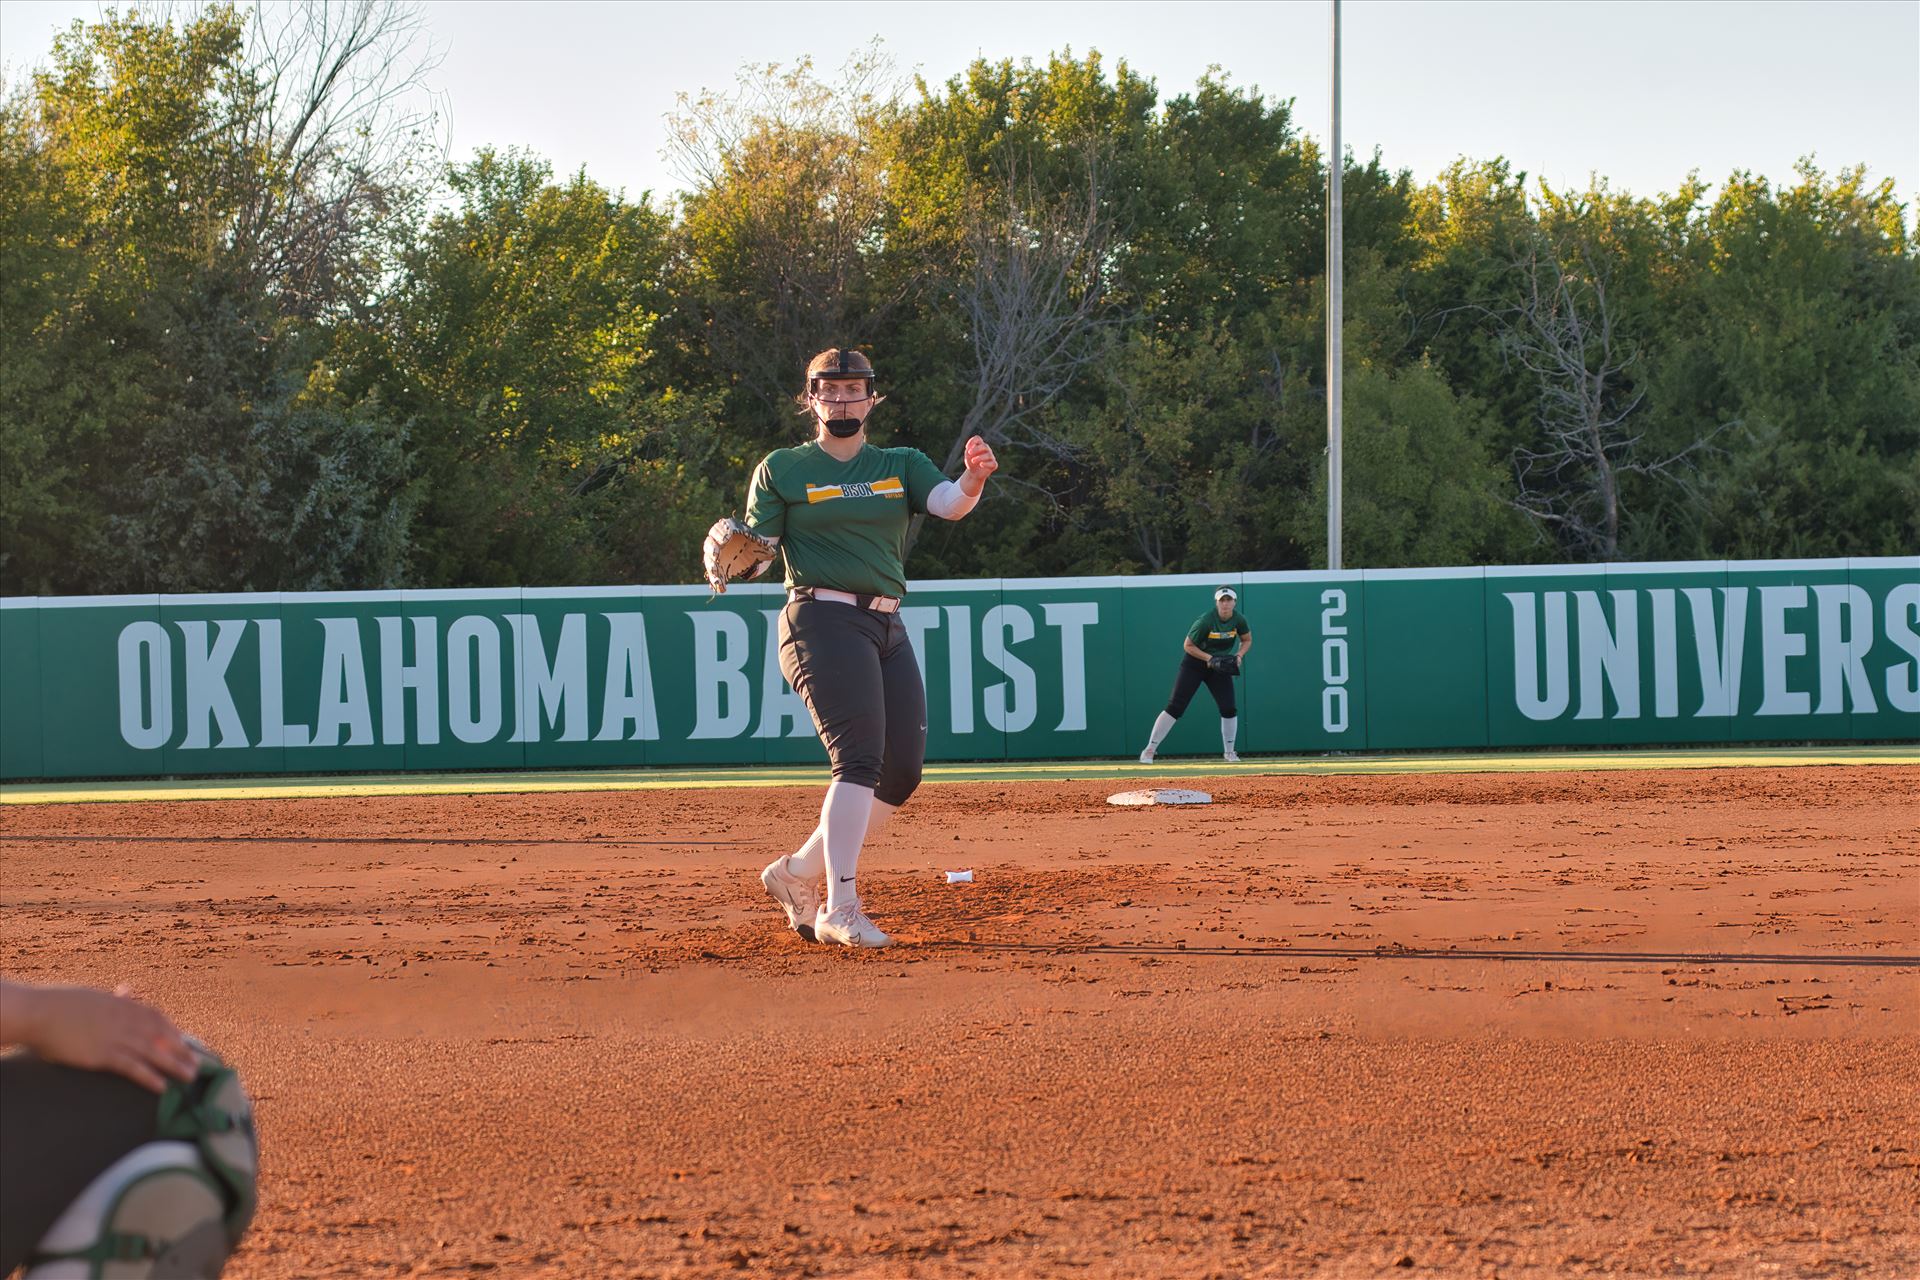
(60, 1127)
(856, 672)
(1194, 673)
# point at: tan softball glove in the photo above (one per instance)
(732, 550)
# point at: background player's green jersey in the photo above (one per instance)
(842, 524)
(1216, 634)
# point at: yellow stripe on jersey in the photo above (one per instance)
(891, 487)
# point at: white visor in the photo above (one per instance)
(1225, 593)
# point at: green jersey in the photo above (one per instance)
(842, 524)
(1216, 634)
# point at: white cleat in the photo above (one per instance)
(1146, 757)
(848, 927)
(799, 898)
(1232, 757)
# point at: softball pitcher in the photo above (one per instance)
(1212, 652)
(836, 511)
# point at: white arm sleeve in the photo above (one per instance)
(949, 501)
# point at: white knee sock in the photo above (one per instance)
(843, 817)
(809, 861)
(1229, 725)
(1162, 726)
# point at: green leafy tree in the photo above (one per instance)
(777, 241)
(46, 431)
(519, 347)
(1474, 222)
(255, 334)
(1422, 487)
(174, 346)
(1807, 331)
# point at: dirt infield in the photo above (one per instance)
(1623, 1023)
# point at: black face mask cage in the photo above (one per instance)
(841, 369)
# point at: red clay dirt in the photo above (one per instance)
(1616, 1023)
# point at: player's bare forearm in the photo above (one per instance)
(96, 1031)
(1194, 651)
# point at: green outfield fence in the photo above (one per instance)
(374, 682)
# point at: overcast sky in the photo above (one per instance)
(1641, 92)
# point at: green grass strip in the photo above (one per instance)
(686, 779)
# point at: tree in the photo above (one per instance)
(1013, 185)
(1188, 447)
(1033, 304)
(346, 154)
(254, 333)
(179, 347)
(519, 344)
(1590, 382)
(1422, 486)
(44, 515)
(776, 239)
(1474, 222)
(1804, 323)
(1098, 263)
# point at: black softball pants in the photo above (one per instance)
(62, 1127)
(855, 670)
(1192, 674)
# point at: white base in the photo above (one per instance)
(1163, 795)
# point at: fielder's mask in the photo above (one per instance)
(839, 364)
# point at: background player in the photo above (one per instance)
(1212, 652)
(837, 509)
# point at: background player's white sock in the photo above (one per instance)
(1162, 726)
(844, 818)
(1229, 725)
(809, 861)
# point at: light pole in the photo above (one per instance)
(1335, 160)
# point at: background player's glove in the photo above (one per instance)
(731, 550)
(1226, 663)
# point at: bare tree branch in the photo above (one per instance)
(1031, 295)
(1034, 303)
(1590, 385)
(344, 125)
